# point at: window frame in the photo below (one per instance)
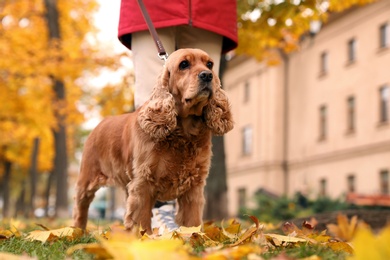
(241, 197)
(323, 187)
(384, 183)
(384, 35)
(247, 140)
(246, 91)
(324, 62)
(384, 95)
(351, 183)
(323, 122)
(352, 50)
(351, 114)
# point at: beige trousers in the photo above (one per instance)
(147, 64)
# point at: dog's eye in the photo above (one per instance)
(209, 65)
(184, 65)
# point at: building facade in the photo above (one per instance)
(318, 123)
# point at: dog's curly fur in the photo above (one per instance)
(162, 151)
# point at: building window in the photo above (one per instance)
(323, 122)
(352, 50)
(241, 198)
(323, 188)
(384, 181)
(324, 63)
(384, 104)
(384, 36)
(247, 140)
(351, 182)
(247, 91)
(351, 111)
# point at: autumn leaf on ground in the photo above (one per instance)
(280, 240)
(292, 230)
(338, 246)
(95, 249)
(249, 233)
(43, 226)
(344, 229)
(51, 235)
(5, 234)
(369, 246)
(309, 234)
(217, 234)
(238, 252)
(122, 245)
(14, 226)
(7, 256)
(234, 227)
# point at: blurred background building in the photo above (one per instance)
(317, 123)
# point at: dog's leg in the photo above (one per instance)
(139, 206)
(191, 206)
(85, 192)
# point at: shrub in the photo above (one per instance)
(275, 209)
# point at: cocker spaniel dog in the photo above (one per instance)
(162, 151)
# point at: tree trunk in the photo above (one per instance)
(60, 172)
(5, 187)
(112, 202)
(20, 202)
(49, 184)
(216, 188)
(60, 158)
(33, 176)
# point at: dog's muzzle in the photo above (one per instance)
(205, 76)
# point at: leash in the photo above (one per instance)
(162, 54)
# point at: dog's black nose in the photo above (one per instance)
(205, 76)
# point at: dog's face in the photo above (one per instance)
(186, 87)
(190, 79)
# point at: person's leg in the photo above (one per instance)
(147, 64)
(190, 37)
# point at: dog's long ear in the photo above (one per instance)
(157, 116)
(217, 113)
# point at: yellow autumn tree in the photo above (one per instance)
(33, 63)
(264, 26)
(116, 99)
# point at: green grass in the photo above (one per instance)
(57, 250)
(54, 250)
(303, 251)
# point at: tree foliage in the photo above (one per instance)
(31, 63)
(118, 98)
(266, 26)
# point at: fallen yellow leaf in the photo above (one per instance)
(239, 252)
(47, 236)
(216, 233)
(234, 227)
(280, 240)
(5, 234)
(7, 256)
(340, 246)
(94, 248)
(344, 229)
(126, 246)
(249, 233)
(368, 246)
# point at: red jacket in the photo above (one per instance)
(218, 16)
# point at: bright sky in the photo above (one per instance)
(106, 20)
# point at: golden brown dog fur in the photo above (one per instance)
(162, 151)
